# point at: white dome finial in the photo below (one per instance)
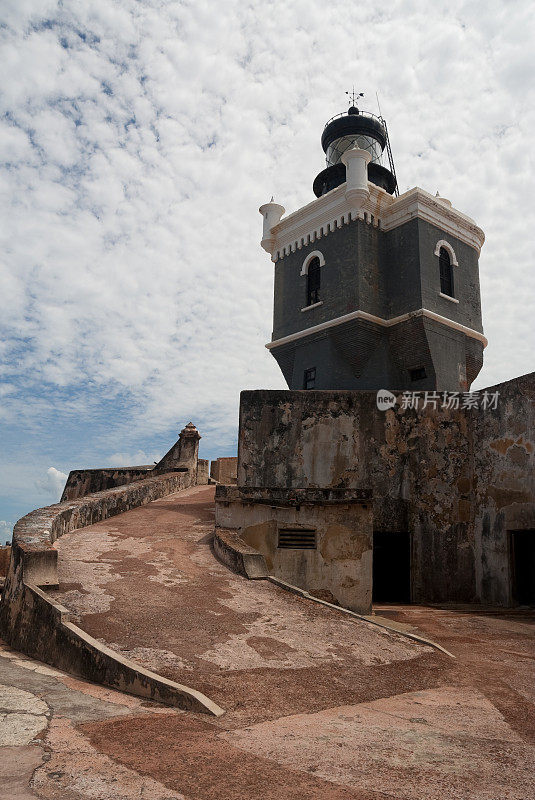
(271, 212)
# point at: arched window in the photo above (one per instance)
(446, 272)
(313, 282)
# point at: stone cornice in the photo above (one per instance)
(419, 203)
(330, 211)
(385, 323)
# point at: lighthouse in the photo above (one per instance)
(373, 289)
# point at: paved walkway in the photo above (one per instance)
(148, 584)
(318, 706)
(43, 753)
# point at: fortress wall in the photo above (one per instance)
(203, 471)
(458, 480)
(51, 637)
(5, 555)
(233, 551)
(33, 623)
(503, 490)
(182, 456)
(33, 557)
(336, 565)
(223, 470)
(87, 481)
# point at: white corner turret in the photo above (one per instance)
(356, 163)
(271, 213)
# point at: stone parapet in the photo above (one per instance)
(231, 549)
(35, 534)
(203, 471)
(30, 621)
(331, 211)
(184, 453)
(292, 497)
(87, 481)
(224, 470)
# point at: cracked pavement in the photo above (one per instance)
(43, 755)
(317, 707)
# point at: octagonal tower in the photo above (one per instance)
(373, 289)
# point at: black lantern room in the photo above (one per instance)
(355, 129)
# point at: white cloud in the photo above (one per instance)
(132, 459)
(52, 484)
(138, 141)
(6, 531)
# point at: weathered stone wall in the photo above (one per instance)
(50, 636)
(182, 456)
(457, 479)
(33, 557)
(233, 551)
(33, 623)
(5, 555)
(184, 453)
(503, 487)
(203, 471)
(224, 470)
(87, 481)
(337, 569)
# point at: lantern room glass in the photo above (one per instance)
(337, 148)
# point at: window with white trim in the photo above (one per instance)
(446, 272)
(313, 282)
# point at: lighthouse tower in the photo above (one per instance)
(373, 289)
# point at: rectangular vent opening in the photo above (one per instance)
(297, 539)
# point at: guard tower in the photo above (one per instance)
(373, 289)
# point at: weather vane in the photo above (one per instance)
(354, 96)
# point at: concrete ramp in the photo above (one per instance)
(148, 585)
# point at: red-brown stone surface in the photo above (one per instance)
(318, 706)
(147, 583)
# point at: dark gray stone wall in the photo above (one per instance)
(458, 480)
(361, 354)
(447, 351)
(401, 264)
(465, 278)
(386, 274)
(409, 349)
(339, 283)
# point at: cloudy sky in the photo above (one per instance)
(137, 140)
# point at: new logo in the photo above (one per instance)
(385, 399)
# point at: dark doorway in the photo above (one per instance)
(391, 567)
(523, 563)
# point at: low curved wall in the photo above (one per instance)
(82, 482)
(33, 536)
(57, 641)
(230, 548)
(33, 623)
